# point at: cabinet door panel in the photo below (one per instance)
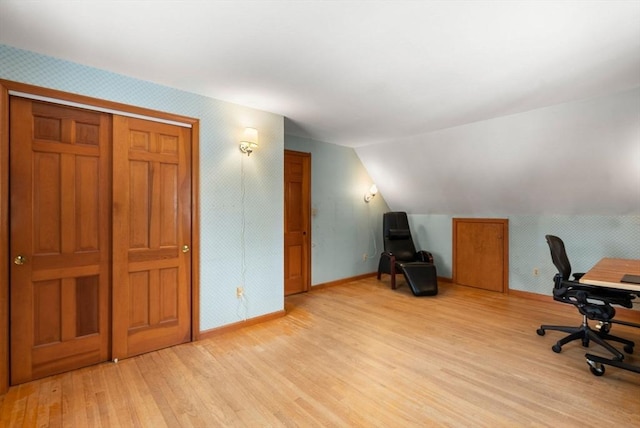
(480, 256)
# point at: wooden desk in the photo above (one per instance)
(608, 272)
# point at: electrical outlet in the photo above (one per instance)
(239, 292)
(364, 257)
(536, 272)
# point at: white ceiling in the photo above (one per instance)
(352, 73)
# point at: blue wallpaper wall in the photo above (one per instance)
(241, 231)
(344, 227)
(587, 240)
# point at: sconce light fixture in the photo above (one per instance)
(371, 193)
(249, 141)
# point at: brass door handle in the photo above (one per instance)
(19, 260)
(185, 248)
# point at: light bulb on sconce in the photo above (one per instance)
(371, 193)
(249, 141)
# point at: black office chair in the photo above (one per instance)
(400, 256)
(594, 303)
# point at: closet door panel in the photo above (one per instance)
(152, 236)
(60, 228)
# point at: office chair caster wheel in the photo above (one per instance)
(540, 332)
(596, 369)
(556, 348)
(628, 349)
(603, 327)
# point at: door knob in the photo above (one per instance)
(19, 260)
(185, 248)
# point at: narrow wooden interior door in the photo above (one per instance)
(151, 236)
(60, 226)
(297, 237)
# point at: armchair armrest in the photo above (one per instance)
(387, 263)
(387, 254)
(424, 256)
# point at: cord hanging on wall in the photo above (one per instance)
(248, 144)
(242, 308)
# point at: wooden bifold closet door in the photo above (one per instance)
(100, 237)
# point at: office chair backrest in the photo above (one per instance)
(559, 256)
(397, 236)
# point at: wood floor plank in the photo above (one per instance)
(49, 411)
(357, 355)
(139, 398)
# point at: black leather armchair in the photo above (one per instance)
(400, 256)
(594, 303)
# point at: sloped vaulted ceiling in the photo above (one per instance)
(380, 76)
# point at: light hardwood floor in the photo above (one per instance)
(357, 355)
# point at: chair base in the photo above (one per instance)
(586, 334)
(596, 364)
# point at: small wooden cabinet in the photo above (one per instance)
(481, 253)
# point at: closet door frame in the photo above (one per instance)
(5, 87)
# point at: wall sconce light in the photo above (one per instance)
(371, 193)
(249, 141)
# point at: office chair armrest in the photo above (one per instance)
(602, 294)
(608, 295)
(424, 256)
(614, 297)
(581, 296)
(560, 293)
(577, 276)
